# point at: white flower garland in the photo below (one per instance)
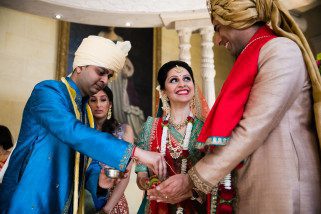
(186, 137)
(188, 133)
(164, 136)
(228, 181)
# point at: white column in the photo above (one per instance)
(184, 35)
(208, 70)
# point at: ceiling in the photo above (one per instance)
(129, 13)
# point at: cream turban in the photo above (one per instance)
(240, 14)
(102, 52)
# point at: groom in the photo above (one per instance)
(264, 117)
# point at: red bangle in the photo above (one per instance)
(133, 152)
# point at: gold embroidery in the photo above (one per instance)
(153, 136)
(199, 182)
(72, 95)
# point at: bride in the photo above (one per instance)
(173, 133)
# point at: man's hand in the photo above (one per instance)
(173, 190)
(153, 160)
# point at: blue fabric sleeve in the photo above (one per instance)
(52, 108)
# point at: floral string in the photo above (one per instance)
(164, 135)
(186, 140)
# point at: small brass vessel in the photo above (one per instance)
(113, 173)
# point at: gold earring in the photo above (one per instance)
(192, 105)
(165, 107)
(109, 114)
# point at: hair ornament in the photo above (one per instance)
(179, 69)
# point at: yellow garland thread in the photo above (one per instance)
(72, 94)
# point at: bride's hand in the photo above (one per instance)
(173, 190)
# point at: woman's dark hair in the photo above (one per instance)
(163, 71)
(110, 124)
(5, 138)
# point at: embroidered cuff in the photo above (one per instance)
(213, 141)
(217, 141)
(126, 157)
(199, 183)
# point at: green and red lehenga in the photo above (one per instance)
(150, 139)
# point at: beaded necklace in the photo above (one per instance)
(254, 40)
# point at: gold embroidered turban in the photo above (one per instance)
(102, 52)
(240, 14)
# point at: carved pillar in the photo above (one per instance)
(208, 70)
(184, 35)
(63, 48)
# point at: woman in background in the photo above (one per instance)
(101, 105)
(173, 133)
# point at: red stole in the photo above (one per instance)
(230, 103)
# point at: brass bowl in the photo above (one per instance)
(113, 173)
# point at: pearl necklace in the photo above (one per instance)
(254, 40)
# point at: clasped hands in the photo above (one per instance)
(173, 190)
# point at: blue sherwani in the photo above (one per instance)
(39, 178)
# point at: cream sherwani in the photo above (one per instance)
(276, 137)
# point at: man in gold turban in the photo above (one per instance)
(46, 170)
(261, 134)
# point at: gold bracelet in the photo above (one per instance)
(198, 182)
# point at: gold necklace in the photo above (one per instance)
(178, 126)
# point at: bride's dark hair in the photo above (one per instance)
(163, 71)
